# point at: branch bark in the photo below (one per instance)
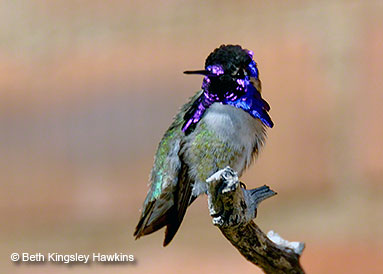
(233, 210)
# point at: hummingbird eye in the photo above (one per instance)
(240, 73)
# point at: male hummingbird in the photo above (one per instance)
(223, 124)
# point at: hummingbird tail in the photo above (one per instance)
(158, 213)
(169, 219)
(151, 220)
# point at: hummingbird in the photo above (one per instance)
(223, 124)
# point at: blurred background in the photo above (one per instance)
(87, 89)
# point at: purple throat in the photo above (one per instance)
(245, 96)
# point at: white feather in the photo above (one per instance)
(239, 129)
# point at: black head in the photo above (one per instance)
(231, 78)
(225, 66)
(232, 59)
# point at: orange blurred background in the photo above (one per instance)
(87, 88)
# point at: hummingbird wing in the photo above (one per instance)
(182, 199)
(170, 191)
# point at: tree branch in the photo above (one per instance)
(233, 209)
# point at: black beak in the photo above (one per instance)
(203, 72)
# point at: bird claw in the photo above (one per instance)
(230, 178)
(218, 221)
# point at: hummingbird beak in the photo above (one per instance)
(203, 72)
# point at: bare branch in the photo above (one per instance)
(233, 209)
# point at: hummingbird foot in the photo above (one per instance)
(218, 221)
(230, 203)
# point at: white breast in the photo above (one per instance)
(238, 128)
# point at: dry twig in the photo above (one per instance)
(233, 210)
